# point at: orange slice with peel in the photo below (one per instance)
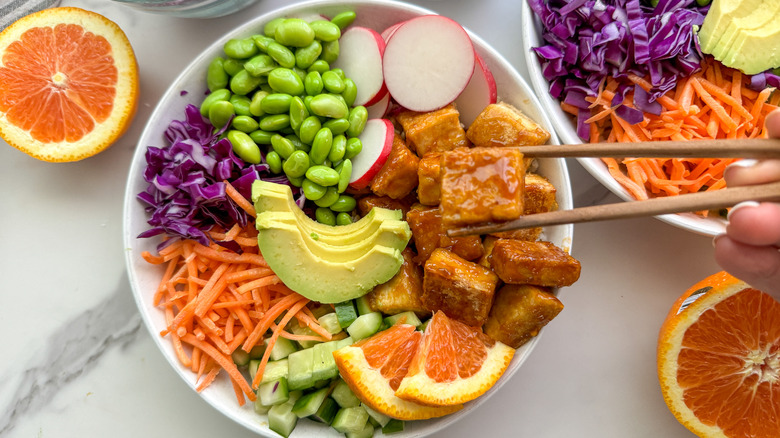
(719, 360)
(374, 367)
(68, 84)
(455, 363)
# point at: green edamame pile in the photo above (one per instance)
(282, 101)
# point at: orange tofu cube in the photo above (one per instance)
(519, 312)
(398, 176)
(463, 290)
(402, 292)
(480, 185)
(537, 263)
(501, 124)
(435, 131)
(429, 234)
(487, 244)
(429, 177)
(539, 198)
(366, 203)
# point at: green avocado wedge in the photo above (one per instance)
(718, 18)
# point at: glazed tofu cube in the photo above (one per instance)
(501, 124)
(402, 292)
(398, 176)
(480, 185)
(537, 263)
(429, 177)
(435, 131)
(539, 198)
(429, 234)
(487, 244)
(463, 290)
(366, 203)
(519, 312)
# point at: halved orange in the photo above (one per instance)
(374, 367)
(68, 84)
(719, 360)
(454, 363)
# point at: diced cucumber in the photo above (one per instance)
(344, 396)
(319, 309)
(365, 325)
(407, 317)
(393, 426)
(281, 419)
(352, 419)
(367, 432)
(310, 403)
(380, 418)
(330, 322)
(273, 392)
(261, 408)
(282, 348)
(240, 357)
(301, 365)
(324, 365)
(304, 331)
(327, 411)
(257, 352)
(424, 325)
(273, 370)
(345, 312)
(362, 305)
(346, 342)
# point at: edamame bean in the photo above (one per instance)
(261, 137)
(255, 107)
(350, 92)
(325, 30)
(320, 147)
(260, 64)
(300, 72)
(298, 112)
(337, 126)
(216, 76)
(329, 105)
(215, 96)
(240, 104)
(343, 218)
(340, 73)
(243, 83)
(282, 146)
(262, 42)
(703, 2)
(313, 83)
(294, 32)
(312, 190)
(275, 122)
(354, 146)
(345, 174)
(220, 113)
(344, 19)
(320, 66)
(244, 146)
(330, 51)
(297, 164)
(344, 203)
(297, 182)
(305, 56)
(332, 82)
(325, 216)
(309, 128)
(284, 80)
(337, 148)
(331, 195)
(276, 103)
(232, 66)
(357, 120)
(284, 56)
(274, 161)
(323, 175)
(269, 29)
(297, 143)
(245, 124)
(242, 48)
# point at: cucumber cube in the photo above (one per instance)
(365, 325)
(273, 393)
(352, 419)
(273, 370)
(310, 403)
(240, 357)
(407, 317)
(393, 426)
(330, 322)
(300, 364)
(344, 396)
(282, 348)
(281, 419)
(362, 305)
(367, 432)
(327, 411)
(345, 312)
(380, 418)
(324, 365)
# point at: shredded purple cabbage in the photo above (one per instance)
(588, 40)
(186, 194)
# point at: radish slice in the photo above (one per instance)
(479, 93)
(379, 109)
(377, 138)
(428, 62)
(312, 17)
(387, 33)
(360, 56)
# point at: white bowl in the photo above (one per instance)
(144, 277)
(566, 128)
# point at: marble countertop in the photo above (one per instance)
(76, 359)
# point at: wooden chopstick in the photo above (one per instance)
(704, 148)
(623, 210)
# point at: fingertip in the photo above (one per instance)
(772, 122)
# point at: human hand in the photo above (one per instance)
(750, 249)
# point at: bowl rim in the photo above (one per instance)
(150, 133)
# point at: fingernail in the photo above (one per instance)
(716, 238)
(747, 162)
(741, 205)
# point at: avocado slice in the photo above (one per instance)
(757, 19)
(720, 15)
(751, 52)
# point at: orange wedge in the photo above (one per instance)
(719, 360)
(68, 84)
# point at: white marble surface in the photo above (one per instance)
(75, 360)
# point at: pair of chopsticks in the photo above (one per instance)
(728, 197)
